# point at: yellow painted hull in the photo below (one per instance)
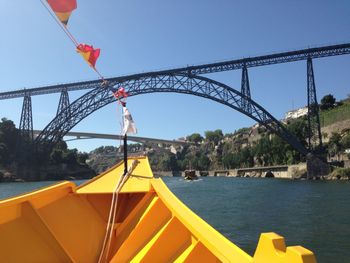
(65, 223)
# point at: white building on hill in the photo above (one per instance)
(294, 114)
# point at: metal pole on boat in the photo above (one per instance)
(125, 154)
(125, 140)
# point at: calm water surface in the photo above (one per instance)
(314, 214)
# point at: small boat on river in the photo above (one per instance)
(118, 217)
(190, 175)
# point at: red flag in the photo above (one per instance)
(63, 8)
(120, 93)
(89, 53)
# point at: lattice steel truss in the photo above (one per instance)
(64, 104)
(245, 90)
(276, 58)
(64, 101)
(314, 128)
(179, 83)
(26, 122)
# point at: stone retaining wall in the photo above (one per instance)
(286, 172)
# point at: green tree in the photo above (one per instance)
(61, 145)
(263, 151)
(298, 127)
(197, 161)
(230, 160)
(203, 162)
(56, 156)
(279, 147)
(82, 157)
(99, 150)
(214, 136)
(245, 157)
(8, 136)
(70, 156)
(327, 102)
(345, 141)
(195, 137)
(334, 145)
(3, 154)
(167, 162)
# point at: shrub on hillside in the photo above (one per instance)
(341, 173)
(345, 141)
(327, 102)
(195, 137)
(214, 136)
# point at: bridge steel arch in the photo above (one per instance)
(178, 83)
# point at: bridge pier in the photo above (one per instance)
(24, 145)
(316, 166)
(245, 90)
(314, 128)
(26, 121)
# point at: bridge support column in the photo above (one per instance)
(24, 145)
(316, 161)
(245, 90)
(316, 166)
(26, 122)
(314, 128)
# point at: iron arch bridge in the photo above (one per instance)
(168, 82)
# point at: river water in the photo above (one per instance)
(314, 214)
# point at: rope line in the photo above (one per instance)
(67, 32)
(112, 214)
(114, 202)
(108, 226)
(112, 210)
(99, 74)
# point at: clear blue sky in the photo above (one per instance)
(139, 36)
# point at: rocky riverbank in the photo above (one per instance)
(46, 173)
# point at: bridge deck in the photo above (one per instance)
(275, 58)
(89, 135)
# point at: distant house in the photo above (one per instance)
(294, 114)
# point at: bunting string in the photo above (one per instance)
(89, 54)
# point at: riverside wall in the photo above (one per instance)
(282, 171)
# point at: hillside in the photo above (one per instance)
(246, 147)
(337, 114)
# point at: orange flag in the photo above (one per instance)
(63, 8)
(89, 53)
